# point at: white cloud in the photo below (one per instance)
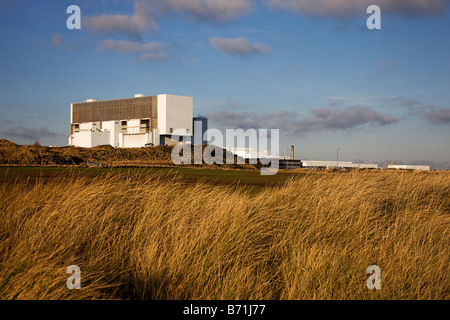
(209, 10)
(132, 26)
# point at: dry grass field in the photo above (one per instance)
(144, 236)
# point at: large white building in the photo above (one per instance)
(132, 122)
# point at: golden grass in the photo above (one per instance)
(141, 237)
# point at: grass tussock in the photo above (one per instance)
(145, 237)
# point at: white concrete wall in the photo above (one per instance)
(175, 112)
(86, 126)
(133, 130)
(409, 167)
(365, 165)
(249, 153)
(340, 164)
(162, 113)
(134, 126)
(134, 123)
(89, 139)
(155, 137)
(100, 138)
(82, 139)
(114, 129)
(89, 126)
(121, 135)
(136, 140)
(327, 164)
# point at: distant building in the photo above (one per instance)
(200, 125)
(337, 164)
(249, 153)
(133, 122)
(408, 167)
(290, 164)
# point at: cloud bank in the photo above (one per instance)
(217, 11)
(30, 133)
(319, 120)
(428, 112)
(440, 117)
(351, 8)
(147, 13)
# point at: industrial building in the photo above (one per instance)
(290, 162)
(249, 153)
(134, 122)
(408, 167)
(337, 164)
(167, 119)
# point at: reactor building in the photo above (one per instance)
(163, 119)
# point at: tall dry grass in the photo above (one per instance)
(140, 237)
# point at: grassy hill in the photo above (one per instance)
(107, 156)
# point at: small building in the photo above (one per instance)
(290, 164)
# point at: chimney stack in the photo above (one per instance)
(292, 152)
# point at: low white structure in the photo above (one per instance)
(325, 164)
(337, 164)
(365, 165)
(132, 122)
(408, 167)
(249, 153)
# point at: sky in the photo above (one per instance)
(310, 68)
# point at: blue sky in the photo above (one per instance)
(309, 68)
